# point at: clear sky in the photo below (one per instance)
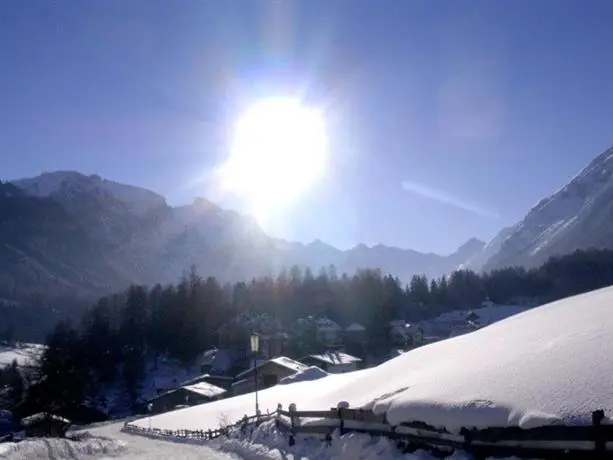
(447, 119)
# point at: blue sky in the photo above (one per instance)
(448, 119)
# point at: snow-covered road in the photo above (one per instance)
(108, 442)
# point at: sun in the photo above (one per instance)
(279, 151)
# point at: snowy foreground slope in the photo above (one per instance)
(551, 364)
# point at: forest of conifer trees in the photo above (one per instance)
(121, 333)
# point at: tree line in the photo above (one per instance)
(122, 334)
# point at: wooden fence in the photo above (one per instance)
(201, 435)
(593, 441)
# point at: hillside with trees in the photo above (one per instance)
(122, 333)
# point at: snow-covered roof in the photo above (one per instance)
(355, 327)
(335, 358)
(308, 374)
(326, 323)
(551, 364)
(282, 361)
(205, 389)
(41, 416)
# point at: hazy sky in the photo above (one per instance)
(448, 119)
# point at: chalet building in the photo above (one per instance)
(268, 372)
(355, 333)
(188, 395)
(327, 331)
(403, 334)
(333, 362)
(45, 425)
(220, 381)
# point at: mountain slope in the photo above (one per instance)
(44, 249)
(94, 234)
(578, 216)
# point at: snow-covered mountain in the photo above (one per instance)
(480, 258)
(100, 227)
(578, 216)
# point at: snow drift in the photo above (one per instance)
(551, 364)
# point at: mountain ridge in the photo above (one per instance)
(576, 216)
(138, 237)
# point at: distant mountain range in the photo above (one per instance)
(68, 232)
(65, 232)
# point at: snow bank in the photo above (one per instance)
(266, 443)
(548, 364)
(308, 374)
(48, 448)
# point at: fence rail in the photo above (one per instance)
(593, 441)
(201, 435)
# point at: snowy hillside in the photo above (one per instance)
(578, 216)
(547, 365)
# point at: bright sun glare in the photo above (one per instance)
(279, 151)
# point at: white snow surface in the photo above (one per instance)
(308, 374)
(551, 364)
(106, 442)
(336, 358)
(283, 361)
(205, 389)
(266, 443)
(24, 353)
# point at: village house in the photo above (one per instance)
(327, 331)
(188, 395)
(45, 425)
(355, 333)
(268, 372)
(272, 345)
(217, 380)
(220, 361)
(404, 334)
(333, 362)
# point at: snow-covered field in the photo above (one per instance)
(24, 353)
(551, 364)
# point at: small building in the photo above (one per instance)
(473, 318)
(327, 331)
(220, 381)
(462, 329)
(406, 335)
(188, 395)
(355, 333)
(272, 345)
(219, 361)
(333, 362)
(44, 424)
(269, 373)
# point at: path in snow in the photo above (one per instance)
(109, 443)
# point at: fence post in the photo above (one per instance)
(599, 441)
(294, 421)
